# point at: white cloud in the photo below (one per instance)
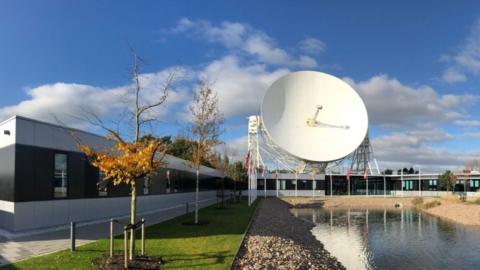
(468, 123)
(466, 59)
(419, 148)
(471, 135)
(244, 38)
(392, 104)
(65, 100)
(69, 102)
(240, 88)
(451, 75)
(312, 45)
(237, 148)
(261, 46)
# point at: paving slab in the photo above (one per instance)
(21, 246)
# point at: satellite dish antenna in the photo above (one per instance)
(314, 116)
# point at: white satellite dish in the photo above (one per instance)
(314, 116)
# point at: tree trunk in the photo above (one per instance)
(234, 191)
(223, 194)
(133, 212)
(196, 195)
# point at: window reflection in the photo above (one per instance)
(102, 185)
(60, 183)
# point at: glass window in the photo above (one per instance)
(408, 185)
(167, 183)
(102, 184)
(474, 183)
(146, 185)
(60, 182)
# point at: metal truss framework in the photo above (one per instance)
(264, 152)
(361, 159)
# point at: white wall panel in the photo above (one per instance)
(43, 214)
(6, 140)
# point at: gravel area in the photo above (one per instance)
(278, 240)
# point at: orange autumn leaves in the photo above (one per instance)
(126, 162)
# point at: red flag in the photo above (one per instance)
(348, 175)
(365, 176)
(246, 160)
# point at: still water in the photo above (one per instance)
(394, 239)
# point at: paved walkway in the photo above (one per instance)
(20, 247)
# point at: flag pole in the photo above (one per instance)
(331, 188)
(264, 183)
(348, 182)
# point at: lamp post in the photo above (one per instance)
(419, 182)
(401, 177)
(331, 188)
(384, 186)
(296, 183)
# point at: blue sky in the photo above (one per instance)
(416, 64)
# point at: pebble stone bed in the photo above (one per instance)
(278, 240)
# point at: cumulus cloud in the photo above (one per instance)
(69, 102)
(237, 148)
(312, 45)
(468, 123)
(243, 37)
(421, 148)
(392, 104)
(466, 59)
(65, 100)
(452, 76)
(472, 135)
(240, 87)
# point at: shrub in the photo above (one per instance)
(450, 197)
(477, 201)
(417, 201)
(431, 204)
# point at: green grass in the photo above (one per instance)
(211, 246)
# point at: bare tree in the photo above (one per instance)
(204, 130)
(221, 163)
(238, 173)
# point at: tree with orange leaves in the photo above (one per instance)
(127, 162)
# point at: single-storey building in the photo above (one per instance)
(45, 180)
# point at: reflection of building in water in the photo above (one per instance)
(394, 239)
(345, 232)
(344, 240)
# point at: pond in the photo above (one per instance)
(394, 239)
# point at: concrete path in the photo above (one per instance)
(22, 246)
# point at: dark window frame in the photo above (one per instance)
(101, 178)
(58, 152)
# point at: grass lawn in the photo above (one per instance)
(211, 246)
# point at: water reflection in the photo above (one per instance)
(394, 239)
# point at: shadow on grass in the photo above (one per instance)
(179, 245)
(192, 260)
(225, 221)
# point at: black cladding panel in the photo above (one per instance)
(26, 174)
(33, 173)
(7, 173)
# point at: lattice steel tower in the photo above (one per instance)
(361, 160)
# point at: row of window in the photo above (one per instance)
(60, 182)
